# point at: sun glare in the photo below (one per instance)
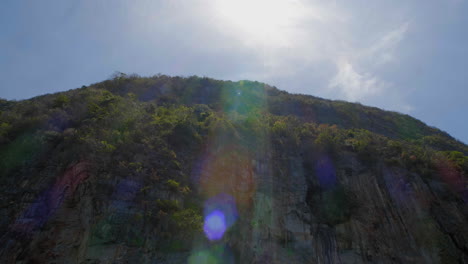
(265, 21)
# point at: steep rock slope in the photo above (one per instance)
(176, 170)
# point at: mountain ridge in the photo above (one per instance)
(121, 84)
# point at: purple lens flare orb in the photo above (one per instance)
(220, 214)
(215, 225)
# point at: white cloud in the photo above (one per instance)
(383, 50)
(357, 72)
(353, 85)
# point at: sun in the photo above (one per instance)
(266, 22)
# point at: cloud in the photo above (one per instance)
(383, 50)
(357, 75)
(353, 85)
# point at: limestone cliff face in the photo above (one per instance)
(394, 216)
(194, 170)
(386, 215)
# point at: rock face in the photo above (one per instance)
(343, 212)
(54, 224)
(109, 179)
(394, 216)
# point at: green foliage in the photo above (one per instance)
(408, 127)
(106, 147)
(328, 139)
(280, 127)
(365, 146)
(168, 205)
(174, 245)
(4, 129)
(19, 152)
(103, 105)
(394, 148)
(442, 142)
(167, 118)
(458, 159)
(136, 166)
(188, 221)
(136, 240)
(173, 185)
(61, 101)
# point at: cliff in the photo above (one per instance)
(176, 170)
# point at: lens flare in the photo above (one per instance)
(215, 225)
(220, 214)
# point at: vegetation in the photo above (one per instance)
(152, 121)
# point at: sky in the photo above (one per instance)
(403, 55)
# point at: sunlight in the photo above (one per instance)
(269, 22)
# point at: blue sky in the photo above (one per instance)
(401, 55)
